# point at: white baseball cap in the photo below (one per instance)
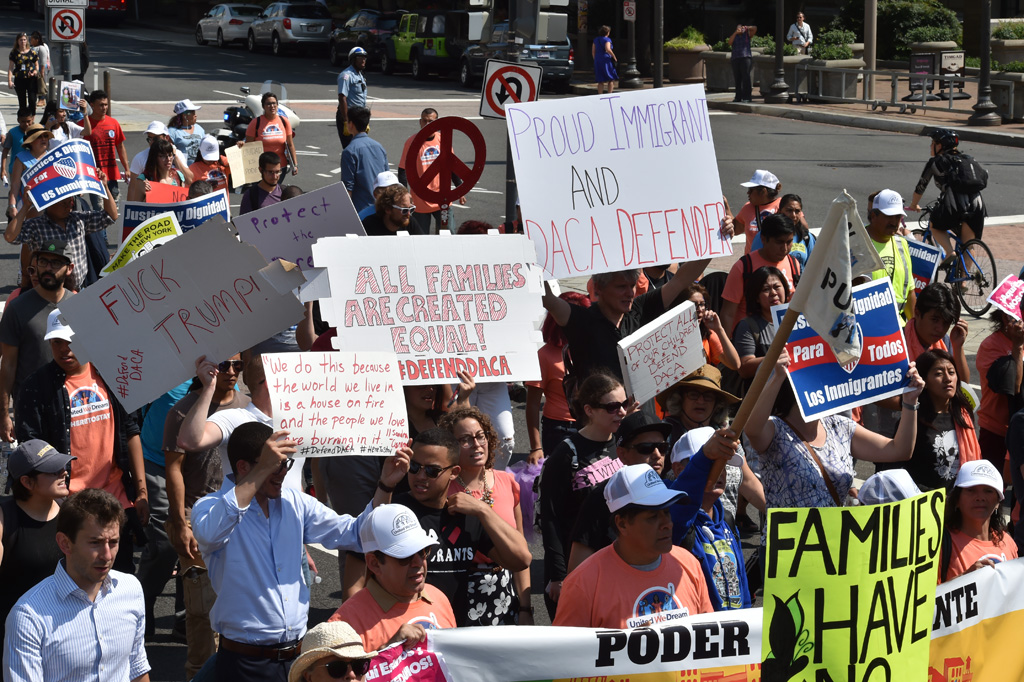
(157, 128)
(979, 472)
(385, 179)
(394, 530)
(640, 485)
(185, 105)
(56, 328)
(690, 443)
(209, 149)
(762, 178)
(889, 202)
(892, 485)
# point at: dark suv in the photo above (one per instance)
(367, 29)
(556, 58)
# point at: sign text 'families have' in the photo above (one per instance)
(618, 181)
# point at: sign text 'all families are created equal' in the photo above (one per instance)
(618, 181)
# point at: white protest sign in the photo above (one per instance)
(442, 304)
(663, 351)
(286, 230)
(203, 293)
(1007, 296)
(244, 162)
(338, 403)
(619, 181)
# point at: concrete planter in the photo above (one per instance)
(718, 71)
(764, 67)
(831, 84)
(1006, 51)
(858, 50)
(933, 47)
(1001, 94)
(686, 66)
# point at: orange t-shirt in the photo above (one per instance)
(967, 551)
(606, 592)
(914, 345)
(92, 435)
(505, 495)
(376, 616)
(216, 174)
(746, 220)
(429, 151)
(552, 370)
(712, 348)
(273, 134)
(993, 412)
(734, 282)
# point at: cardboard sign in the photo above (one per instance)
(823, 386)
(849, 591)
(442, 304)
(161, 193)
(62, 172)
(70, 93)
(618, 181)
(244, 162)
(190, 213)
(656, 356)
(155, 232)
(338, 403)
(924, 262)
(204, 293)
(287, 230)
(1007, 296)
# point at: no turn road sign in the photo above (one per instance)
(508, 83)
(67, 25)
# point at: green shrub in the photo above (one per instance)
(722, 46)
(689, 39)
(896, 20)
(787, 49)
(833, 44)
(934, 34)
(1009, 30)
(1015, 67)
(975, 62)
(762, 40)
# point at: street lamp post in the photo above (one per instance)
(984, 109)
(779, 91)
(630, 78)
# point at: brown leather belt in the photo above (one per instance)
(284, 652)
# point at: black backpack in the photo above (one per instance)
(966, 175)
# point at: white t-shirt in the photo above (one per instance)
(229, 420)
(59, 138)
(138, 166)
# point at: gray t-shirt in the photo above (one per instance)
(24, 325)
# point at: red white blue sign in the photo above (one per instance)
(924, 261)
(823, 386)
(62, 172)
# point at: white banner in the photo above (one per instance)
(610, 182)
(656, 356)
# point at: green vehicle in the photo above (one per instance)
(428, 42)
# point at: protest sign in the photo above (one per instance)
(287, 230)
(924, 262)
(155, 232)
(70, 93)
(160, 193)
(1007, 296)
(397, 664)
(190, 213)
(338, 403)
(823, 386)
(204, 293)
(62, 172)
(244, 162)
(618, 181)
(663, 351)
(849, 592)
(443, 303)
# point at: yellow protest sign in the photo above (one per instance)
(244, 162)
(849, 592)
(155, 232)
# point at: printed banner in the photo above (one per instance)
(155, 232)
(244, 162)
(618, 181)
(338, 403)
(204, 293)
(287, 230)
(823, 386)
(663, 351)
(1007, 296)
(70, 93)
(190, 213)
(849, 592)
(924, 262)
(64, 171)
(442, 304)
(395, 664)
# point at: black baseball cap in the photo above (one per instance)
(637, 423)
(36, 455)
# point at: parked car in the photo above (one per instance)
(430, 41)
(367, 29)
(285, 25)
(555, 58)
(226, 24)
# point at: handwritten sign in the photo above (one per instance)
(160, 193)
(1007, 296)
(190, 213)
(204, 293)
(924, 262)
(287, 230)
(338, 403)
(62, 172)
(618, 181)
(823, 386)
(155, 232)
(849, 592)
(442, 304)
(244, 162)
(656, 356)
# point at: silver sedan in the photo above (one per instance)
(226, 23)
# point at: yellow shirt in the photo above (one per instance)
(898, 267)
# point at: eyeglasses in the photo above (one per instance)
(699, 395)
(270, 103)
(271, 172)
(613, 407)
(230, 364)
(286, 465)
(468, 441)
(649, 448)
(406, 210)
(431, 470)
(50, 264)
(338, 669)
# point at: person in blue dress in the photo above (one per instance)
(604, 61)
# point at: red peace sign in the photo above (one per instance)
(446, 163)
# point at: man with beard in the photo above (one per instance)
(884, 223)
(394, 214)
(23, 325)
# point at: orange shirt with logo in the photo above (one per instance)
(92, 435)
(375, 615)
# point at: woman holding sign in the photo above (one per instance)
(55, 119)
(36, 143)
(159, 170)
(275, 132)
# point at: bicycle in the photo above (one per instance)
(973, 271)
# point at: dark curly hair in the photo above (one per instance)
(449, 420)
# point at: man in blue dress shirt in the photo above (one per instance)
(362, 160)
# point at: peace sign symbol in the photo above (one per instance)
(446, 162)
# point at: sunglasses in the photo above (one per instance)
(431, 470)
(649, 448)
(338, 669)
(696, 396)
(614, 407)
(286, 465)
(422, 554)
(230, 364)
(406, 210)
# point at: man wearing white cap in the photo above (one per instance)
(642, 578)
(185, 133)
(397, 602)
(331, 651)
(763, 199)
(154, 130)
(210, 165)
(383, 181)
(884, 222)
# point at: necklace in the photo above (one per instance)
(487, 497)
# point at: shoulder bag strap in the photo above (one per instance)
(817, 460)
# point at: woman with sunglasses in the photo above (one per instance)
(55, 119)
(580, 462)
(394, 211)
(159, 170)
(331, 651)
(275, 132)
(478, 444)
(183, 130)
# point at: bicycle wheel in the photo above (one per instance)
(975, 284)
(924, 217)
(920, 234)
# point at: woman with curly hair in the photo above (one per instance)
(974, 521)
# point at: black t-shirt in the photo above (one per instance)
(593, 338)
(374, 226)
(594, 524)
(936, 458)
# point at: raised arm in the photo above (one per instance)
(196, 433)
(759, 427)
(558, 308)
(874, 447)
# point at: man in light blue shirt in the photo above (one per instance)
(351, 92)
(253, 552)
(86, 622)
(362, 161)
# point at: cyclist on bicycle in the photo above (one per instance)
(961, 211)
